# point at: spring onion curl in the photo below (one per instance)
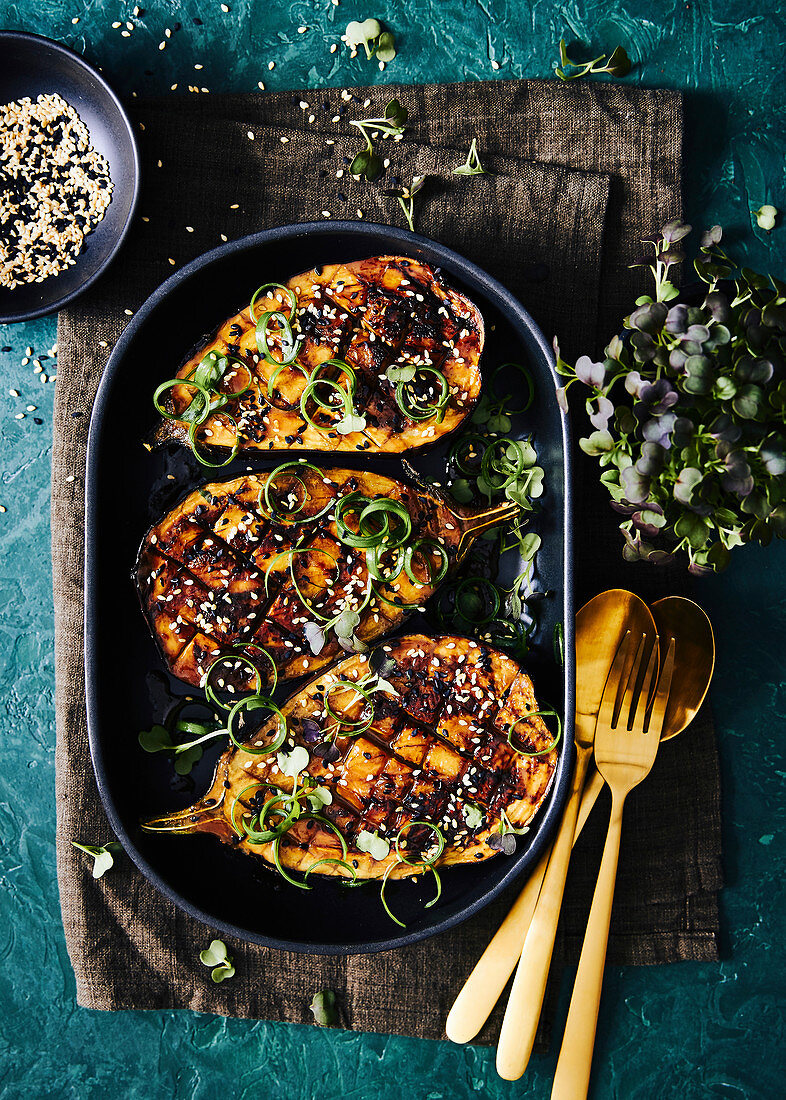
(527, 375)
(416, 407)
(424, 867)
(350, 727)
(237, 654)
(290, 345)
(440, 841)
(257, 702)
(206, 401)
(274, 286)
(271, 509)
(546, 712)
(341, 399)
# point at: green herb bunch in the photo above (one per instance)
(689, 407)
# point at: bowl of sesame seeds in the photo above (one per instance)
(69, 176)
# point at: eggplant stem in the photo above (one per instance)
(192, 819)
(476, 523)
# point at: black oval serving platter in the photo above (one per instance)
(31, 66)
(127, 689)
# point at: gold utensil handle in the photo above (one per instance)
(484, 986)
(529, 986)
(571, 1081)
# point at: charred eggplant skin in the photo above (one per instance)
(222, 574)
(441, 748)
(377, 313)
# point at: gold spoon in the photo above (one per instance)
(674, 617)
(600, 627)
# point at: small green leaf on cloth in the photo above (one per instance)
(323, 1007)
(217, 957)
(102, 857)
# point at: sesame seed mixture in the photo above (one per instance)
(54, 188)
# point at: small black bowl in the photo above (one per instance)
(33, 66)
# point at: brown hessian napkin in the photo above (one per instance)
(579, 173)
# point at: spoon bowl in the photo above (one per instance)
(683, 620)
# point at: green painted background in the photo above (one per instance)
(685, 1031)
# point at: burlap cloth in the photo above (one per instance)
(581, 173)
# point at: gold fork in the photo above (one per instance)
(627, 736)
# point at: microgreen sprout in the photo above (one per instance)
(323, 1007)
(472, 814)
(367, 162)
(765, 217)
(186, 753)
(689, 410)
(217, 957)
(504, 840)
(374, 40)
(406, 198)
(102, 857)
(472, 165)
(618, 64)
(376, 846)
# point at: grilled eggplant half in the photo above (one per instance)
(287, 569)
(433, 761)
(379, 354)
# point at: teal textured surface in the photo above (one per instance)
(689, 1030)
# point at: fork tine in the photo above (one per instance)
(613, 680)
(661, 701)
(640, 709)
(630, 694)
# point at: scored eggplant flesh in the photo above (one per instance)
(217, 575)
(381, 312)
(437, 751)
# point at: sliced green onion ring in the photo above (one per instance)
(346, 406)
(293, 516)
(273, 286)
(435, 575)
(258, 702)
(382, 898)
(355, 727)
(290, 344)
(335, 863)
(237, 801)
(530, 386)
(280, 868)
(375, 565)
(423, 411)
(420, 862)
(462, 461)
(547, 712)
(170, 384)
(245, 659)
(193, 428)
(314, 550)
(334, 828)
